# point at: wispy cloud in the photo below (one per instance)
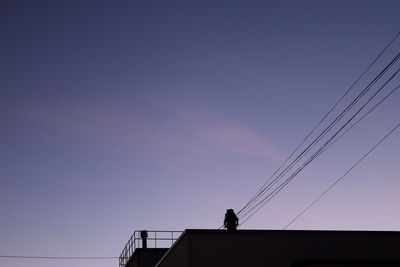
(205, 131)
(189, 130)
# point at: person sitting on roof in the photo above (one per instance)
(231, 220)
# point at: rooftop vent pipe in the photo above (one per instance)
(144, 235)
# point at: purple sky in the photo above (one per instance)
(125, 115)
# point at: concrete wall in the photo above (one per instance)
(199, 248)
(179, 254)
(146, 257)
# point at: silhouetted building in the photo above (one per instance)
(146, 257)
(145, 248)
(275, 248)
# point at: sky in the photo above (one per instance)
(127, 115)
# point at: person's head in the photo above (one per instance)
(230, 211)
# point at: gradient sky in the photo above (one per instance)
(125, 115)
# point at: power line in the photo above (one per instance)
(58, 257)
(314, 142)
(262, 191)
(321, 135)
(319, 123)
(271, 195)
(367, 113)
(341, 177)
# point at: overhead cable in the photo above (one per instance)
(256, 207)
(58, 257)
(363, 116)
(341, 177)
(320, 122)
(321, 135)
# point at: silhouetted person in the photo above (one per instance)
(231, 220)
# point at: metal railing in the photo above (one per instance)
(157, 239)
